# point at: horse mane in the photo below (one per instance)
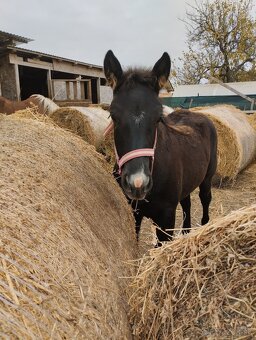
(133, 76)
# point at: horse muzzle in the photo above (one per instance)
(137, 186)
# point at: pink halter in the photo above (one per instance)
(148, 152)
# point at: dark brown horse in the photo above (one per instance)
(45, 105)
(160, 159)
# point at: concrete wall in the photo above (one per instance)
(7, 79)
(106, 94)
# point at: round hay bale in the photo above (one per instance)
(236, 139)
(201, 286)
(67, 234)
(74, 121)
(98, 118)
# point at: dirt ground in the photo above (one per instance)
(226, 198)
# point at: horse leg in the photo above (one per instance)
(138, 218)
(165, 220)
(186, 207)
(205, 195)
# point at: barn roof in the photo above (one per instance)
(7, 39)
(31, 53)
(247, 88)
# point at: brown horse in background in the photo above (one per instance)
(45, 105)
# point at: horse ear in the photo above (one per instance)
(112, 68)
(161, 70)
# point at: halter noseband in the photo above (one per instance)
(146, 152)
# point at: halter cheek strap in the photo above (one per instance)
(146, 152)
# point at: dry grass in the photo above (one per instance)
(66, 236)
(201, 286)
(32, 113)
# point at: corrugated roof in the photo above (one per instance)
(41, 54)
(9, 37)
(247, 88)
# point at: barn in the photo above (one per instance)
(240, 94)
(24, 72)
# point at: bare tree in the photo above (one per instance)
(221, 39)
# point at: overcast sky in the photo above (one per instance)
(138, 31)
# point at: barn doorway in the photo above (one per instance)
(94, 84)
(32, 81)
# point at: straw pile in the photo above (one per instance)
(66, 237)
(236, 139)
(32, 113)
(201, 286)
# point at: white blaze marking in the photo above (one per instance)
(138, 179)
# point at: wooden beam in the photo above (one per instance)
(49, 84)
(14, 59)
(17, 81)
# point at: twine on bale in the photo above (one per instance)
(236, 139)
(66, 236)
(201, 285)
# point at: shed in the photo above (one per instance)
(24, 72)
(187, 96)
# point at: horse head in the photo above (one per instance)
(136, 112)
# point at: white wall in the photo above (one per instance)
(106, 94)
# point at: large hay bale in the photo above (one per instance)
(201, 286)
(74, 121)
(98, 119)
(236, 139)
(66, 236)
(87, 122)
